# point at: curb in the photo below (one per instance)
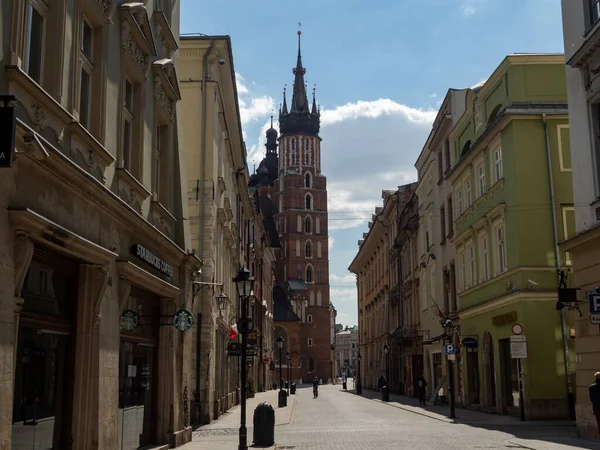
(293, 407)
(445, 420)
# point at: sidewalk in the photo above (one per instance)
(222, 434)
(464, 416)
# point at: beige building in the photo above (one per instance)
(377, 317)
(220, 212)
(436, 252)
(93, 256)
(581, 29)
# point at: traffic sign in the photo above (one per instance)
(450, 349)
(518, 347)
(517, 329)
(594, 302)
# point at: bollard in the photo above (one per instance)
(264, 425)
(385, 394)
(282, 398)
(293, 388)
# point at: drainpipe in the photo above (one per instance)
(201, 212)
(563, 314)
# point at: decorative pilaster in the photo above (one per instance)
(23, 251)
(165, 426)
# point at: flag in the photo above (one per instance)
(233, 331)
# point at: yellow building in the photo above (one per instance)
(220, 211)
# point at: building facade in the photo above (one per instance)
(220, 211)
(377, 316)
(410, 333)
(96, 251)
(581, 30)
(437, 266)
(346, 352)
(301, 217)
(508, 216)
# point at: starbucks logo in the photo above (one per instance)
(130, 320)
(183, 320)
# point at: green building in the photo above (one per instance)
(506, 265)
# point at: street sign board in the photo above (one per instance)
(517, 329)
(594, 302)
(518, 347)
(234, 349)
(470, 342)
(452, 357)
(450, 349)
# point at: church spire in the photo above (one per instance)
(314, 104)
(299, 99)
(285, 110)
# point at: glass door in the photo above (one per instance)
(39, 400)
(136, 392)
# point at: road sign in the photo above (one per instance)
(594, 302)
(234, 349)
(517, 329)
(450, 349)
(518, 347)
(470, 342)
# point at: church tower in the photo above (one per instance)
(300, 201)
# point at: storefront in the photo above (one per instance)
(491, 381)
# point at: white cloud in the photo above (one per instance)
(468, 10)
(252, 107)
(331, 242)
(340, 296)
(349, 279)
(374, 109)
(470, 7)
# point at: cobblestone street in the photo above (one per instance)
(340, 420)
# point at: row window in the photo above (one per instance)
(475, 263)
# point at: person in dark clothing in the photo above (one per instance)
(315, 387)
(595, 398)
(382, 382)
(421, 385)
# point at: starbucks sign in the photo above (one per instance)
(147, 256)
(183, 320)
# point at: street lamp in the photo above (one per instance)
(280, 346)
(358, 385)
(289, 370)
(385, 392)
(450, 333)
(245, 284)
(221, 302)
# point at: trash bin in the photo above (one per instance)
(385, 394)
(344, 386)
(264, 425)
(293, 388)
(282, 398)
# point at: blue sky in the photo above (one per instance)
(381, 70)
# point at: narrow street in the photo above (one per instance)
(340, 420)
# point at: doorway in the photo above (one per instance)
(510, 376)
(41, 416)
(473, 375)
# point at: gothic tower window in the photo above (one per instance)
(307, 180)
(293, 153)
(308, 225)
(308, 201)
(306, 152)
(308, 249)
(309, 274)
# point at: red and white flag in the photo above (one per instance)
(233, 331)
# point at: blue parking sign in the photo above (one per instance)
(450, 349)
(594, 302)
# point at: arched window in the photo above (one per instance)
(308, 249)
(307, 180)
(309, 274)
(311, 364)
(308, 225)
(306, 144)
(294, 144)
(308, 201)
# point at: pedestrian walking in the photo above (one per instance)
(421, 385)
(595, 398)
(382, 382)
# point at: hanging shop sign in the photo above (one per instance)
(8, 123)
(147, 256)
(470, 342)
(234, 349)
(183, 320)
(130, 320)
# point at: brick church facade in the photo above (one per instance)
(291, 192)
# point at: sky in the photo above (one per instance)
(381, 70)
